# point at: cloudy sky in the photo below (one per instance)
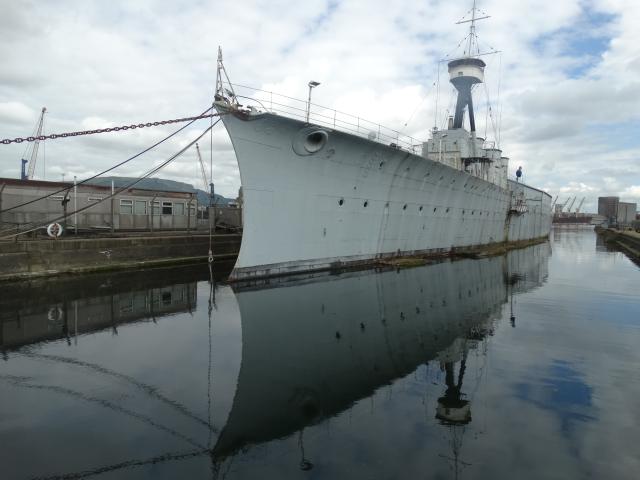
(566, 81)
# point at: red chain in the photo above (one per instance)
(53, 136)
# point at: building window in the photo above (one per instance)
(126, 305)
(94, 199)
(178, 208)
(140, 207)
(126, 206)
(167, 208)
(192, 210)
(57, 197)
(166, 298)
(155, 208)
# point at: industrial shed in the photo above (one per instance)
(132, 209)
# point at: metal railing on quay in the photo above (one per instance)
(286, 106)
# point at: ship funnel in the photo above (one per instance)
(464, 73)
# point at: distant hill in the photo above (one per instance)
(162, 184)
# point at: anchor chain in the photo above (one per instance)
(53, 136)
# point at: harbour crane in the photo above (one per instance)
(202, 169)
(554, 201)
(562, 205)
(571, 205)
(207, 185)
(580, 205)
(26, 173)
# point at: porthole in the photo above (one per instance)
(366, 202)
(405, 207)
(420, 209)
(315, 141)
(447, 210)
(341, 201)
(310, 140)
(434, 209)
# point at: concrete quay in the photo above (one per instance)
(627, 240)
(40, 258)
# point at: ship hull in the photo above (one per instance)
(356, 200)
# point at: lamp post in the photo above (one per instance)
(312, 85)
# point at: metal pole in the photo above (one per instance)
(309, 103)
(189, 214)
(153, 201)
(75, 204)
(1, 190)
(113, 200)
(312, 84)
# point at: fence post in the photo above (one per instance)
(153, 201)
(1, 190)
(113, 226)
(189, 214)
(75, 204)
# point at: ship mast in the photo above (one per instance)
(467, 71)
(222, 92)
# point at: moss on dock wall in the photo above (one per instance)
(476, 251)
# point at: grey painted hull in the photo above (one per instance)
(356, 200)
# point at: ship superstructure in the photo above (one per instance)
(322, 190)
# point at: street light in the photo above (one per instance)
(312, 85)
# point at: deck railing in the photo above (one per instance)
(324, 116)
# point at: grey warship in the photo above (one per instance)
(322, 192)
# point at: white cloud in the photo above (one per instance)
(15, 112)
(95, 64)
(631, 194)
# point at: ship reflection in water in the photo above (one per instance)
(368, 374)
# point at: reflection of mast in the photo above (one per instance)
(453, 410)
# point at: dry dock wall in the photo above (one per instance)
(51, 257)
(627, 240)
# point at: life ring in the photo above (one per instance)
(54, 315)
(54, 230)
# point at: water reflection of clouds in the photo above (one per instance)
(562, 390)
(360, 406)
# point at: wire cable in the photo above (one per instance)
(111, 168)
(35, 226)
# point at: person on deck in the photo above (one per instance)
(518, 174)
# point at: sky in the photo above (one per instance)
(563, 90)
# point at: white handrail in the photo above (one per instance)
(329, 117)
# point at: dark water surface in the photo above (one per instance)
(521, 366)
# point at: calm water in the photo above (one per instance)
(522, 366)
